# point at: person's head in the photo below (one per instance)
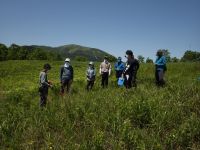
(91, 64)
(119, 59)
(129, 54)
(67, 60)
(106, 58)
(159, 53)
(47, 67)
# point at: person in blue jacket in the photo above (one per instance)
(119, 67)
(160, 68)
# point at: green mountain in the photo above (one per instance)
(77, 51)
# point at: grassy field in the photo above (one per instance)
(115, 118)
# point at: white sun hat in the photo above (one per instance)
(67, 60)
(91, 63)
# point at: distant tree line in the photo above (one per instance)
(189, 56)
(16, 52)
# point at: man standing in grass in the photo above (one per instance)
(44, 84)
(105, 71)
(91, 74)
(130, 70)
(66, 76)
(160, 68)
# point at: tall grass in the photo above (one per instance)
(147, 117)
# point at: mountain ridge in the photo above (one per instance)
(73, 51)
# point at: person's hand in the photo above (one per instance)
(50, 85)
(127, 77)
(49, 82)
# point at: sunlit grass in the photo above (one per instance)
(115, 118)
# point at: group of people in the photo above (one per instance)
(125, 72)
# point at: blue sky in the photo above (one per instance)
(111, 25)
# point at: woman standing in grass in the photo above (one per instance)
(44, 85)
(66, 76)
(130, 71)
(160, 68)
(91, 74)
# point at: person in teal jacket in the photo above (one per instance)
(119, 67)
(160, 68)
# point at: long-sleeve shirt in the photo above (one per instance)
(160, 63)
(43, 79)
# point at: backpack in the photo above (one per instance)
(67, 74)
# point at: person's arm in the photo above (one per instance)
(116, 66)
(138, 64)
(164, 60)
(100, 69)
(126, 69)
(86, 73)
(72, 73)
(122, 66)
(110, 69)
(43, 79)
(61, 72)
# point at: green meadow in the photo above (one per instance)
(146, 117)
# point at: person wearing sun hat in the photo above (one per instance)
(66, 76)
(90, 74)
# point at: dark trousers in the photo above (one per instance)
(134, 84)
(65, 85)
(90, 85)
(104, 80)
(128, 82)
(119, 73)
(159, 75)
(43, 96)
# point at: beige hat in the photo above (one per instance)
(91, 63)
(67, 60)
